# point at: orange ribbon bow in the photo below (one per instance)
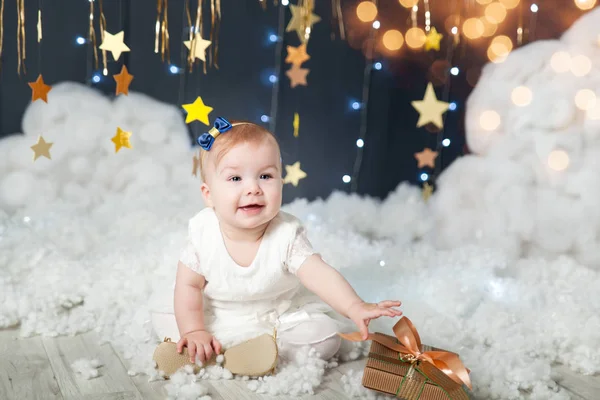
(410, 344)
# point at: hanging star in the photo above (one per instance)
(297, 55)
(121, 139)
(197, 111)
(297, 76)
(41, 148)
(432, 40)
(39, 90)
(427, 191)
(300, 21)
(196, 166)
(200, 46)
(114, 44)
(430, 108)
(294, 173)
(123, 80)
(426, 158)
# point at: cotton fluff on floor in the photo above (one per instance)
(499, 266)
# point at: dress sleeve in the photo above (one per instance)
(189, 253)
(299, 249)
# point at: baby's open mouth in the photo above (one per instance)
(252, 207)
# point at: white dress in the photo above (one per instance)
(244, 302)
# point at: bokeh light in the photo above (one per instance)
(581, 65)
(489, 120)
(366, 11)
(558, 160)
(585, 4)
(415, 38)
(484, 2)
(509, 4)
(473, 28)
(489, 28)
(585, 99)
(521, 96)
(409, 3)
(499, 49)
(495, 13)
(393, 40)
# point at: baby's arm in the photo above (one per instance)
(189, 312)
(327, 283)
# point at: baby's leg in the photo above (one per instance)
(165, 325)
(312, 333)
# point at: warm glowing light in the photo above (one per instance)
(499, 49)
(558, 160)
(585, 4)
(510, 4)
(366, 11)
(489, 120)
(495, 12)
(415, 38)
(581, 65)
(473, 28)
(489, 28)
(585, 99)
(560, 61)
(593, 113)
(484, 2)
(409, 3)
(521, 96)
(393, 40)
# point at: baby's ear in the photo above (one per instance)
(206, 194)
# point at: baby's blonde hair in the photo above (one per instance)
(241, 132)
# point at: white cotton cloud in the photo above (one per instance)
(531, 185)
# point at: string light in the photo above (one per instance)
(376, 24)
(446, 142)
(273, 38)
(427, 16)
(382, 263)
(454, 30)
(424, 176)
(585, 4)
(272, 78)
(96, 78)
(360, 143)
(355, 105)
(285, 2)
(413, 15)
(534, 8)
(377, 66)
(264, 118)
(452, 106)
(174, 69)
(454, 71)
(80, 40)
(346, 178)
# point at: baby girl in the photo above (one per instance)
(248, 267)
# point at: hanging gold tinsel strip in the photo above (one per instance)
(21, 36)
(92, 34)
(190, 33)
(39, 25)
(161, 38)
(102, 29)
(215, 43)
(1, 29)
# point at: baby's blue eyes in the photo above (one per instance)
(237, 178)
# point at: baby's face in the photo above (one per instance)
(245, 187)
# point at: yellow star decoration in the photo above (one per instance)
(426, 158)
(427, 191)
(300, 21)
(432, 40)
(41, 148)
(39, 90)
(297, 55)
(114, 44)
(121, 139)
(197, 111)
(200, 46)
(297, 76)
(430, 108)
(294, 173)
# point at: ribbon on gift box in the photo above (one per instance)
(410, 346)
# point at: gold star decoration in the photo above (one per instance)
(426, 158)
(427, 191)
(114, 44)
(41, 148)
(430, 108)
(196, 166)
(432, 40)
(296, 124)
(39, 90)
(294, 173)
(297, 76)
(197, 111)
(302, 18)
(123, 80)
(121, 139)
(297, 55)
(200, 46)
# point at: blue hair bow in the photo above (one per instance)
(207, 139)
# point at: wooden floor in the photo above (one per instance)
(39, 368)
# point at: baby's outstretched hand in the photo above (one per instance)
(201, 343)
(362, 313)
